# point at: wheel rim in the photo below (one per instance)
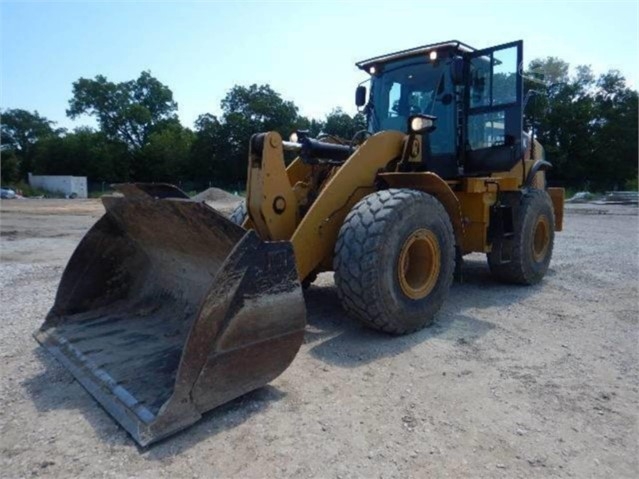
(419, 263)
(541, 238)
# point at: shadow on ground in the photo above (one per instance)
(227, 416)
(343, 342)
(54, 388)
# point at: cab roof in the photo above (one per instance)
(454, 45)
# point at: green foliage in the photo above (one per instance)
(20, 130)
(83, 153)
(313, 126)
(165, 157)
(9, 166)
(343, 125)
(126, 111)
(550, 70)
(207, 158)
(220, 147)
(249, 110)
(588, 126)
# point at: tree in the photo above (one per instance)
(313, 126)
(564, 118)
(127, 111)
(84, 152)
(615, 146)
(9, 167)
(20, 131)
(246, 111)
(165, 157)
(209, 150)
(587, 125)
(550, 70)
(341, 124)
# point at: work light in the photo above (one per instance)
(421, 123)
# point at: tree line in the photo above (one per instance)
(587, 124)
(139, 136)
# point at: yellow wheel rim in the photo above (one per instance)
(419, 264)
(541, 238)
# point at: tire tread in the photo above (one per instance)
(516, 271)
(361, 238)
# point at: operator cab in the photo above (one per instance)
(475, 95)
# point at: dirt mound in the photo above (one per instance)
(216, 195)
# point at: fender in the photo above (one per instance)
(432, 184)
(315, 236)
(538, 165)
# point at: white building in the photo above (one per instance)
(75, 186)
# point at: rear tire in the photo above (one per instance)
(529, 251)
(394, 260)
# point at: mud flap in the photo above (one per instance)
(167, 309)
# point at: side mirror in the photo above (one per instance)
(457, 71)
(360, 95)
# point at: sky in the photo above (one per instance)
(305, 50)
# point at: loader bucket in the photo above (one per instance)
(167, 309)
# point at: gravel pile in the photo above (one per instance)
(216, 195)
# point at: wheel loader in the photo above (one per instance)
(167, 308)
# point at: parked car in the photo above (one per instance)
(7, 193)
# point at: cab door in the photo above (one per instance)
(493, 104)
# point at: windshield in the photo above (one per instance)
(410, 87)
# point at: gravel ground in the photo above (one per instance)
(510, 382)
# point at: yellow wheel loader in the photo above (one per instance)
(168, 309)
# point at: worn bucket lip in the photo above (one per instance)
(114, 398)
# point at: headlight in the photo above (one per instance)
(293, 138)
(421, 124)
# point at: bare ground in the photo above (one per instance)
(510, 382)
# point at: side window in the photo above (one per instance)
(419, 102)
(480, 87)
(494, 78)
(505, 76)
(486, 130)
(394, 95)
(494, 95)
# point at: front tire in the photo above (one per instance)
(524, 258)
(394, 260)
